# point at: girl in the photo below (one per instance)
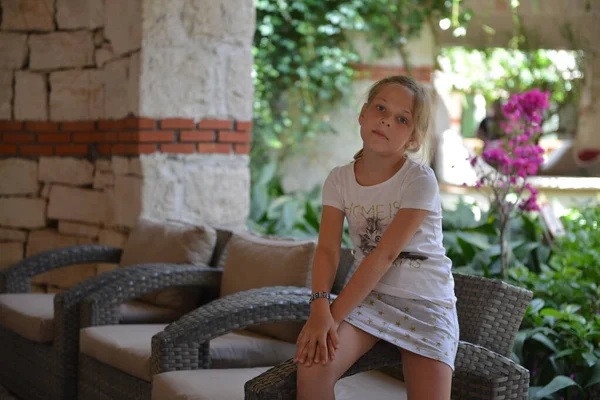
(402, 290)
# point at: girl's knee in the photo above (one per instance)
(315, 376)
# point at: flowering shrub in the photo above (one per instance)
(514, 158)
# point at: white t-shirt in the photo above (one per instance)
(371, 209)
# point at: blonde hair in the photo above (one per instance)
(421, 108)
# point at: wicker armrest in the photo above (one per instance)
(102, 306)
(479, 374)
(17, 278)
(185, 343)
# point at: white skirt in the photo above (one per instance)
(419, 326)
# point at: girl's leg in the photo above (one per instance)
(318, 380)
(426, 378)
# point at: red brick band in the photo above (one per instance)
(130, 136)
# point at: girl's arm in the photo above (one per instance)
(312, 343)
(376, 264)
(327, 255)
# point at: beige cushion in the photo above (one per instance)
(253, 262)
(170, 242)
(31, 315)
(138, 312)
(228, 384)
(128, 348)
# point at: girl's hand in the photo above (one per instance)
(318, 339)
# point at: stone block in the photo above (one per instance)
(21, 212)
(120, 165)
(73, 14)
(13, 47)
(103, 164)
(75, 204)
(103, 180)
(12, 235)
(45, 193)
(28, 15)
(109, 237)
(126, 201)
(65, 277)
(6, 93)
(103, 55)
(10, 253)
(76, 95)
(123, 25)
(116, 88)
(77, 229)
(73, 49)
(70, 171)
(31, 96)
(18, 176)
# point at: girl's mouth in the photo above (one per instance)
(378, 133)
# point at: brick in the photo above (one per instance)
(104, 149)
(78, 126)
(215, 124)
(132, 149)
(20, 137)
(178, 148)
(111, 125)
(54, 137)
(109, 237)
(41, 126)
(72, 149)
(156, 136)
(11, 126)
(128, 137)
(105, 137)
(197, 136)
(242, 148)
(177, 123)
(36, 150)
(243, 126)
(8, 149)
(222, 148)
(140, 123)
(235, 137)
(83, 137)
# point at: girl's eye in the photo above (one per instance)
(379, 107)
(403, 120)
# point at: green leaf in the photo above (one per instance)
(545, 341)
(558, 383)
(267, 173)
(595, 378)
(590, 358)
(478, 240)
(536, 305)
(551, 312)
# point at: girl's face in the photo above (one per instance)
(386, 124)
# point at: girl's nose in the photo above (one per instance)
(385, 122)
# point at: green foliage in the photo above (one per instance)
(561, 329)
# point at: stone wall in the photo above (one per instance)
(115, 109)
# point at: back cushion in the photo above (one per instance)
(170, 242)
(252, 262)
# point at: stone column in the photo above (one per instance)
(112, 109)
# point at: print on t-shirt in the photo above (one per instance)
(371, 228)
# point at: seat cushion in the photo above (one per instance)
(252, 261)
(228, 384)
(170, 242)
(128, 348)
(30, 315)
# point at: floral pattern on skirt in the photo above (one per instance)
(419, 326)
